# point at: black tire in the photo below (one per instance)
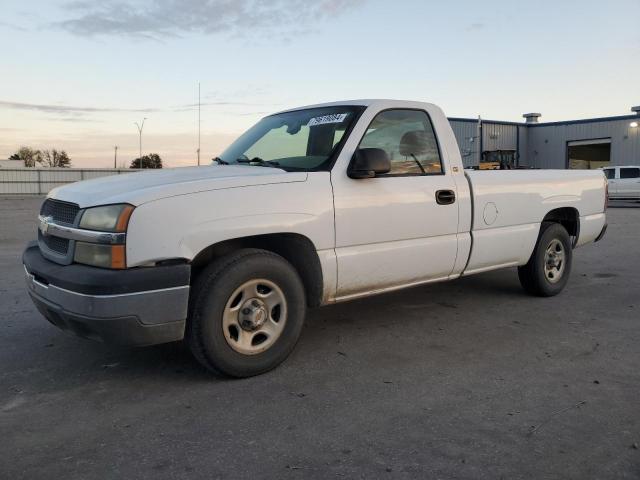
(533, 276)
(209, 297)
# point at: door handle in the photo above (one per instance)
(445, 197)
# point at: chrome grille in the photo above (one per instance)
(61, 212)
(57, 249)
(56, 244)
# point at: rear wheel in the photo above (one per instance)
(246, 313)
(548, 269)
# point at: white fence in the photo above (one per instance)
(38, 181)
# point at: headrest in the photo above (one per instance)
(414, 143)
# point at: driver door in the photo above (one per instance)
(390, 230)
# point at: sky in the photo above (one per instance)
(77, 75)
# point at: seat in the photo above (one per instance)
(417, 143)
(414, 143)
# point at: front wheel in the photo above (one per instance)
(548, 269)
(246, 313)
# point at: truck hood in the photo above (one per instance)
(145, 186)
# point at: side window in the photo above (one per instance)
(408, 138)
(610, 173)
(629, 172)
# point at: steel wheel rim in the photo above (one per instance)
(254, 316)
(554, 261)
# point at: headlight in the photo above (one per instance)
(110, 218)
(105, 256)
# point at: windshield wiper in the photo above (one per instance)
(219, 161)
(259, 161)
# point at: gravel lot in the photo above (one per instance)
(468, 379)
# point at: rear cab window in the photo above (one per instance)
(610, 173)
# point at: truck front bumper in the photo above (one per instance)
(138, 306)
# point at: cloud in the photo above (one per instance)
(173, 18)
(475, 27)
(247, 114)
(78, 119)
(69, 110)
(69, 113)
(194, 106)
(11, 26)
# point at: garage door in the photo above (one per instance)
(589, 154)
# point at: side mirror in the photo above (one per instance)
(368, 162)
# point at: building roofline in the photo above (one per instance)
(549, 124)
(475, 120)
(586, 120)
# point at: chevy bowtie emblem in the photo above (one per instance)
(44, 224)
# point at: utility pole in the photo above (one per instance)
(198, 123)
(140, 127)
(115, 156)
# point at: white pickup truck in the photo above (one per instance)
(624, 182)
(309, 207)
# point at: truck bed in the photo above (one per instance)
(509, 205)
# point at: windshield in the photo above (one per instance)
(303, 140)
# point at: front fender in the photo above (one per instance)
(215, 231)
(184, 225)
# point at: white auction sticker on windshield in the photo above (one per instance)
(334, 118)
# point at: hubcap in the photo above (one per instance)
(254, 316)
(554, 261)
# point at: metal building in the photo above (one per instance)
(590, 143)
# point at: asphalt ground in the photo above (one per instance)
(470, 379)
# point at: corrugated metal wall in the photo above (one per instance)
(499, 136)
(524, 159)
(548, 143)
(545, 145)
(495, 136)
(466, 132)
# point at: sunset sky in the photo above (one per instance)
(77, 75)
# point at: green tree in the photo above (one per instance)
(151, 160)
(29, 156)
(56, 158)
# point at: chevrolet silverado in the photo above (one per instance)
(309, 207)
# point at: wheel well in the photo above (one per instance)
(568, 217)
(296, 249)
